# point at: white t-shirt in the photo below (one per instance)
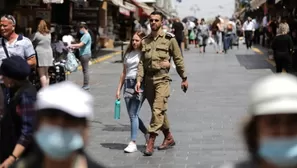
(131, 62)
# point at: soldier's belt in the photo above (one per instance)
(157, 73)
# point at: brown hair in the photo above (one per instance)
(42, 27)
(141, 35)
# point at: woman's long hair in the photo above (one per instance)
(42, 27)
(141, 35)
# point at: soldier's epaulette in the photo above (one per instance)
(170, 35)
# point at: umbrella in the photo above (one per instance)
(190, 18)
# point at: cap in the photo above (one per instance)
(274, 94)
(67, 97)
(15, 67)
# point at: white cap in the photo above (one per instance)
(274, 94)
(67, 97)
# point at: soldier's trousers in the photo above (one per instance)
(157, 94)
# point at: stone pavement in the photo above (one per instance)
(206, 121)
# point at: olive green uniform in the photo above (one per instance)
(156, 78)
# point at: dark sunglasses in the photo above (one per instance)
(10, 17)
(156, 20)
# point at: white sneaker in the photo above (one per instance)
(146, 137)
(131, 148)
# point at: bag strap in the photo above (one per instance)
(4, 47)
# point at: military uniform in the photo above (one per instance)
(156, 78)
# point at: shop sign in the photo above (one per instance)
(130, 6)
(30, 2)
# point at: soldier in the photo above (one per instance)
(157, 49)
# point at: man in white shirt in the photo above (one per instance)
(248, 32)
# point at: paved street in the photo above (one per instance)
(206, 122)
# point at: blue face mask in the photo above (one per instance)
(282, 152)
(81, 32)
(58, 143)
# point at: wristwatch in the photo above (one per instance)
(185, 78)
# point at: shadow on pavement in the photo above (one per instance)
(117, 62)
(116, 128)
(254, 62)
(120, 146)
(101, 53)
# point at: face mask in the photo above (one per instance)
(282, 152)
(58, 143)
(81, 32)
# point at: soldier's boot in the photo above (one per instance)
(150, 145)
(168, 140)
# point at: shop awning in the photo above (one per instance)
(257, 3)
(124, 9)
(240, 12)
(146, 9)
(277, 1)
(165, 13)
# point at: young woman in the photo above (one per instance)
(42, 44)
(133, 99)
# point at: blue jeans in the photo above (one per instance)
(134, 102)
(228, 38)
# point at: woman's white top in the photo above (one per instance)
(131, 62)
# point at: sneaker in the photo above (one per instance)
(146, 137)
(86, 87)
(131, 148)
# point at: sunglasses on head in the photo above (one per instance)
(10, 17)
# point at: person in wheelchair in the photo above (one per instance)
(59, 48)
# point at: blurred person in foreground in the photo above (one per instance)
(271, 132)
(62, 128)
(18, 120)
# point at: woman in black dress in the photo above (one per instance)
(282, 47)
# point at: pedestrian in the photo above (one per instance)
(282, 46)
(248, 32)
(203, 35)
(18, 120)
(217, 29)
(153, 70)
(178, 30)
(13, 44)
(132, 99)
(63, 114)
(42, 44)
(85, 53)
(270, 133)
